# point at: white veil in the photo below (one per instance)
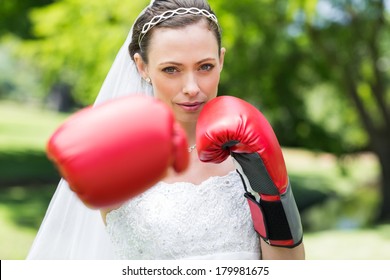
(69, 229)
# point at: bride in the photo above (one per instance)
(173, 52)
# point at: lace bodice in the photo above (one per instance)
(184, 221)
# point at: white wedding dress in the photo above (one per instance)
(186, 221)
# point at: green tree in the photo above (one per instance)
(267, 63)
(319, 69)
(17, 77)
(76, 42)
(351, 40)
(14, 16)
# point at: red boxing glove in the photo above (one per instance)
(230, 126)
(114, 151)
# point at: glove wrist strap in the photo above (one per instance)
(277, 222)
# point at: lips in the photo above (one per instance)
(191, 106)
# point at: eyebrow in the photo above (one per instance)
(179, 64)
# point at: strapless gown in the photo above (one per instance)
(180, 220)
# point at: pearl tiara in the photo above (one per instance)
(171, 13)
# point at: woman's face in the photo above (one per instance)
(184, 66)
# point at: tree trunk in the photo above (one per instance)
(381, 148)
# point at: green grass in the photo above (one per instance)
(26, 127)
(21, 212)
(14, 241)
(361, 244)
(24, 131)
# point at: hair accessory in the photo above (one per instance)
(171, 13)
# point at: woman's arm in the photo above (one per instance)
(278, 253)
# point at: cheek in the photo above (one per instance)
(210, 84)
(163, 90)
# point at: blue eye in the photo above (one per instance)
(170, 70)
(206, 67)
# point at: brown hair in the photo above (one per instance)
(160, 6)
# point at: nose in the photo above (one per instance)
(191, 86)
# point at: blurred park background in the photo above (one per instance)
(318, 69)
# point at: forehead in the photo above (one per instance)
(195, 41)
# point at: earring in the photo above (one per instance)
(148, 80)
